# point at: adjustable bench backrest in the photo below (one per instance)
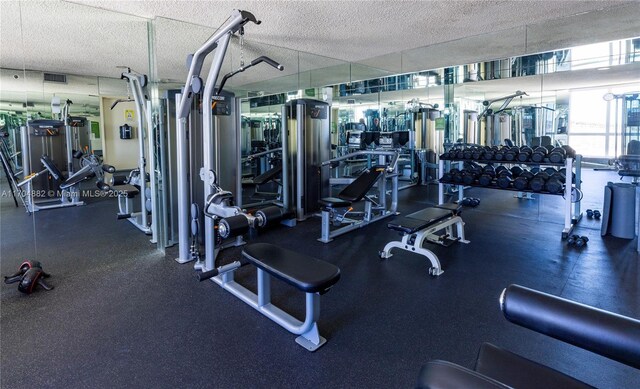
(51, 167)
(268, 175)
(361, 185)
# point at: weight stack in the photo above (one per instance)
(619, 210)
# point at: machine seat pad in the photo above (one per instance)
(305, 273)
(128, 191)
(519, 372)
(420, 220)
(361, 185)
(268, 175)
(332, 202)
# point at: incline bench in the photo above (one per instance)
(422, 226)
(307, 274)
(352, 193)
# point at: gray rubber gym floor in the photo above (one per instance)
(124, 315)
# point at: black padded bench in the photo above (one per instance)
(355, 191)
(268, 175)
(605, 333)
(421, 226)
(52, 168)
(128, 191)
(307, 274)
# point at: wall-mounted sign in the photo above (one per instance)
(129, 115)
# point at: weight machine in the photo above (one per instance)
(309, 275)
(144, 182)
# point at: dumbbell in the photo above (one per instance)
(505, 179)
(577, 241)
(557, 155)
(455, 175)
(477, 153)
(468, 153)
(446, 178)
(539, 154)
(516, 171)
(564, 173)
(499, 154)
(512, 153)
(469, 177)
(459, 154)
(487, 176)
(522, 182)
(525, 154)
(538, 181)
(470, 201)
(555, 183)
(489, 154)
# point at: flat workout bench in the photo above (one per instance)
(310, 275)
(421, 226)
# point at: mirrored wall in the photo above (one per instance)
(417, 101)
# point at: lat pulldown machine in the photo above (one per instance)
(309, 275)
(140, 183)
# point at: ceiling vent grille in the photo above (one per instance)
(51, 77)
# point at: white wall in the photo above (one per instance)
(121, 153)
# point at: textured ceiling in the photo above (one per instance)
(357, 30)
(314, 40)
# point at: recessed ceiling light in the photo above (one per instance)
(605, 68)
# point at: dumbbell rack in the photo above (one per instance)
(572, 214)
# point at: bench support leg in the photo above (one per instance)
(308, 330)
(413, 242)
(326, 226)
(435, 269)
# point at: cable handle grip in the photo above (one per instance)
(268, 60)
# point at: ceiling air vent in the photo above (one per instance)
(51, 77)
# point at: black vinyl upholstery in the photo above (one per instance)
(268, 175)
(446, 375)
(332, 202)
(51, 167)
(519, 372)
(419, 220)
(361, 185)
(605, 333)
(128, 191)
(305, 273)
(614, 336)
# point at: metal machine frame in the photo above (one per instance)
(144, 219)
(368, 217)
(69, 197)
(223, 276)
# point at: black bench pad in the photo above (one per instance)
(51, 167)
(417, 221)
(268, 175)
(128, 191)
(361, 185)
(305, 273)
(332, 202)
